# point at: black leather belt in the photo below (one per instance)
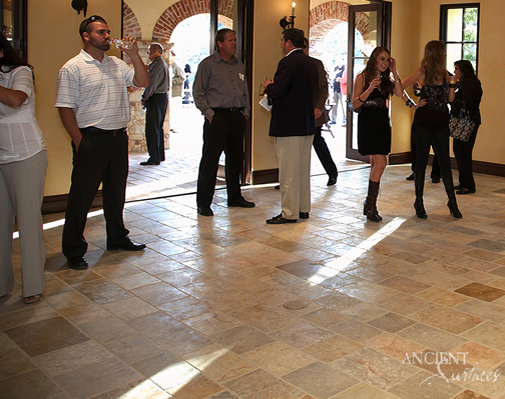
(233, 109)
(92, 129)
(377, 102)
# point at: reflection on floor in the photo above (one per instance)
(230, 307)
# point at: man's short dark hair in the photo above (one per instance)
(296, 36)
(84, 26)
(221, 34)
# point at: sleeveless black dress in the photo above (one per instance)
(374, 126)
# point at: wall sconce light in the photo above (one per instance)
(285, 23)
(80, 5)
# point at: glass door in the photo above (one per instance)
(369, 27)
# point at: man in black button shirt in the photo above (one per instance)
(220, 93)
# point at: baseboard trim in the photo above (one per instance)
(58, 203)
(265, 176)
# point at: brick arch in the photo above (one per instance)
(321, 16)
(183, 9)
(131, 26)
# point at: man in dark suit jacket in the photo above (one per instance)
(293, 125)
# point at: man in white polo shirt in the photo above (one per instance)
(92, 102)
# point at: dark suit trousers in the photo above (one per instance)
(156, 109)
(102, 158)
(463, 153)
(323, 153)
(225, 133)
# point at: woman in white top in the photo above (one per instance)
(23, 163)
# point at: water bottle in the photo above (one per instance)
(120, 43)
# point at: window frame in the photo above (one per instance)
(444, 8)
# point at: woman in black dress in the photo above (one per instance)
(431, 122)
(372, 89)
(468, 96)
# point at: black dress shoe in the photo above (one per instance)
(205, 211)
(332, 181)
(129, 246)
(410, 177)
(458, 187)
(280, 220)
(146, 163)
(464, 190)
(435, 179)
(77, 263)
(242, 203)
(304, 215)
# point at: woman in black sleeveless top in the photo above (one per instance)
(431, 122)
(372, 89)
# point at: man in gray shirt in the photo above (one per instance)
(155, 99)
(220, 93)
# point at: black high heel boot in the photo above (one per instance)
(419, 204)
(419, 207)
(453, 207)
(370, 205)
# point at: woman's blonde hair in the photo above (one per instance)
(433, 63)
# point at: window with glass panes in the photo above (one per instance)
(459, 29)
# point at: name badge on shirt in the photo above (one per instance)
(241, 76)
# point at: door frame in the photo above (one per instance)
(383, 10)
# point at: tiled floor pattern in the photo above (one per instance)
(229, 307)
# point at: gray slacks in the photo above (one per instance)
(21, 195)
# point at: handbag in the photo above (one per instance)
(461, 126)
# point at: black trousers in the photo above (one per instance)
(435, 167)
(102, 158)
(439, 138)
(225, 133)
(156, 109)
(323, 153)
(463, 153)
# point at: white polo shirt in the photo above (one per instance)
(96, 91)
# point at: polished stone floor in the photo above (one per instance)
(229, 307)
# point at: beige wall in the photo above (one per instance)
(53, 38)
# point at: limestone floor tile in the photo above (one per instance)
(219, 363)
(67, 300)
(13, 362)
(425, 385)
(129, 308)
(166, 370)
(488, 245)
(229, 301)
(489, 334)
(158, 293)
(72, 357)
(116, 270)
(364, 391)
(338, 301)
(403, 304)
(250, 285)
(136, 281)
(481, 291)
(275, 296)
(442, 297)
(391, 322)
(199, 387)
(27, 316)
(260, 384)
(72, 277)
(278, 358)
(479, 355)
(367, 291)
(325, 317)
(430, 337)
(108, 330)
(184, 308)
(447, 319)
(79, 314)
(212, 322)
(441, 280)
(106, 375)
(102, 291)
(156, 325)
(320, 380)
(46, 336)
(332, 348)
(241, 339)
(404, 284)
(363, 311)
(183, 342)
(135, 349)
(487, 311)
(182, 277)
(301, 334)
(355, 330)
(394, 346)
(142, 388)
(468, 394)
(264, 317)
(374, 368)
(32, 384)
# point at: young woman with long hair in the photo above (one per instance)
(23, 163)
(372, 89)
(431, 122)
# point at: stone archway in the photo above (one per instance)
(131, 26)
(183, 9)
